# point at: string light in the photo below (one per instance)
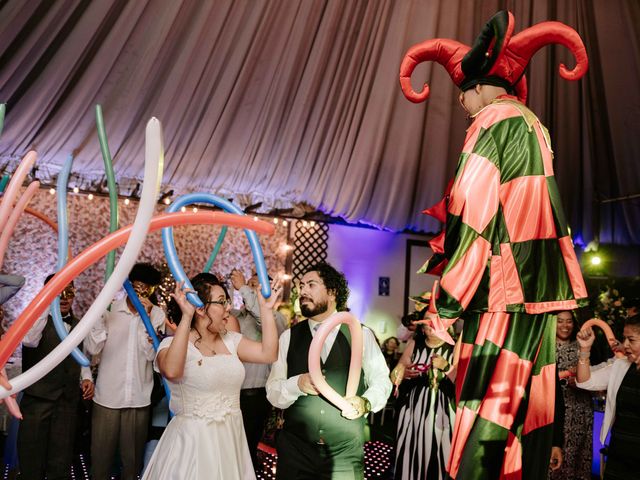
(127, 201)
(275, 220)
(90, 196)
(596, 260)
(76, 190)
(255, 219)
(195, 209)
(284, 223)
(166, 201)
(52, 191)
(183, 209)
(304, 223)
(312, 223)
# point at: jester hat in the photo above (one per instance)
(497, 57)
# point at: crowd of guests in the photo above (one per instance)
(226, 370)
(424, 377)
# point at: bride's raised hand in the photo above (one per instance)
(276, 291)
(180, 296)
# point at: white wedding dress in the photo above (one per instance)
(205, 439)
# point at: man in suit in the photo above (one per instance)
(47, 432)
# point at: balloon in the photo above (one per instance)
(63, 246)
(154, 160)
(47, 220)
(216, 249)
(172, 255)
(14, 186)
(611, 338)
(113, 188)
(81, 262)
(133, 296)
(10, 226)
(3, 182)
(356, 359)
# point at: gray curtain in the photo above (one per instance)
(289, 101)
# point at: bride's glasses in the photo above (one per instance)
(222, 303)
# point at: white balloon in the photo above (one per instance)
(153, 166)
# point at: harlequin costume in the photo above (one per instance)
(507, 260)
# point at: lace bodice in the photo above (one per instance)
(210, 386)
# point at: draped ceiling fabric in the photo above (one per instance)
(288, 101)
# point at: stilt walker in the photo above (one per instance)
(507, 260)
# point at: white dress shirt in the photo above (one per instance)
(256, 374)
(283, 391)
(34, 335)
(125, 374)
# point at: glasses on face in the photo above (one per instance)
(68, 293)
(222, 303)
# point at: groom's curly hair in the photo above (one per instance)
(335, 283)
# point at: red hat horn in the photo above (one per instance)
(447, 53)
(526, 43)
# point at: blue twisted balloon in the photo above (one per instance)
(133, 296)
(172, 255)
(63, 246)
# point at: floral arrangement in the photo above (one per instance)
(609, 308)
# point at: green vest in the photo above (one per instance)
(311, 417)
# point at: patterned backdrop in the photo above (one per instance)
(33, 248)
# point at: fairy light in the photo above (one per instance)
(52, 191)
(275, 220)
(195, 209)
(284, 223)
(127, 201)
(183, 209)
(76, 190)
(304, 223)
(90, 196)
(255, 219)
(166, 201)
(312, 223)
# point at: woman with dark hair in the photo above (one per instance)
(578, 417)
(390, 351)
(427, 408)
(202, 363)
(621, 380)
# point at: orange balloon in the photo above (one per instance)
(95, 252)
(611, 338)
(47, 220)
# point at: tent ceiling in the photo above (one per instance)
(283, 102)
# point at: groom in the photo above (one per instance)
(317, 440)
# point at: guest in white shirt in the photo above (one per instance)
(621, 380)
(253, 396)
(125, 378)
(317, 439)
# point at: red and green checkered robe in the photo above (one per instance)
(507, 262)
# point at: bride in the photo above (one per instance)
(202, 363)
